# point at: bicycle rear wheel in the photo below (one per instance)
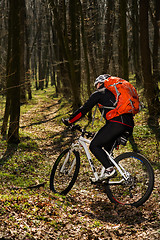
(137, 189)
(64, 172)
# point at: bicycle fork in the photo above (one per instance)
(69, 170)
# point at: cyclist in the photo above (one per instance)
(112, 129)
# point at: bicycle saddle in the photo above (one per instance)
(123, 138)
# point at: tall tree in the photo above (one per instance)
(14, 70)
(149, 84)
(156, 39)
(22, 52)
(136, 41)
(75, 52)
(109, 24)
(85, 48)
(123, 44)
(69, 39)
(27, 70)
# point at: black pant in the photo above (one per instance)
(106, 137)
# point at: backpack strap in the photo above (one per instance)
(102, 114)
(104, 107)
(93, 118)
(117, 92)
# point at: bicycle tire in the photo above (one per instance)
(141, 184)
(61, 182)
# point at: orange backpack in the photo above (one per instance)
(127, 100)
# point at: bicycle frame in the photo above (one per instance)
(82, 142)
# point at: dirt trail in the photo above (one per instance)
(45, 113)
(40, 121)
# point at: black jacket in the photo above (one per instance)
(106, 98)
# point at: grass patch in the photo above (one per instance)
(22, 166)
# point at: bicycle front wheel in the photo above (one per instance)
(65, 171)
(137, 189)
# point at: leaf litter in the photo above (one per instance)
(85, 213)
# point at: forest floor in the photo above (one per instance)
(86, 212)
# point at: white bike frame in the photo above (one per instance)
(82, 142)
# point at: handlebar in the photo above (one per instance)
(82, 130)
(79, 128)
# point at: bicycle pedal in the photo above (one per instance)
(106, 180)
(94, 181)
(114, 175)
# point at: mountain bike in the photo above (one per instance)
(131, 185)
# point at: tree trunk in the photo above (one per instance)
(8, 73)
(14, 78)
(84, 41)
(123, 45)
(108, 44)
(156, 72)
(149, 85)
(27, 70)
(136, 43)
(40, 69)
(70, 48)
(21, 44)
(6, 116)
(74, 59)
